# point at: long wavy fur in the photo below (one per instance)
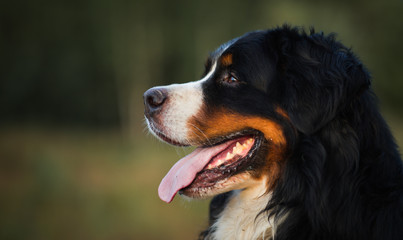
(343, 178)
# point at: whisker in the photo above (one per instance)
(204, 135)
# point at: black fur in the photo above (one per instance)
(342, 176)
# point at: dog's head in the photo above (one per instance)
(259, 94)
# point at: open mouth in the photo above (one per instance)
(208, 166)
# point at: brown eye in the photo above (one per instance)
(230, 79)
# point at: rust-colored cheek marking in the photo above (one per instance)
(222, 122)
(226, 60)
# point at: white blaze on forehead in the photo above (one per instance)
(185, 101)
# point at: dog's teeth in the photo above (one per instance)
(219, 162)
(229, 156)
(238, 145)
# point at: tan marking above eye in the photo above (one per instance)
(226, 59)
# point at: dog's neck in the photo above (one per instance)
(241, 218)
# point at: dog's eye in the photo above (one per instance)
(230, 79)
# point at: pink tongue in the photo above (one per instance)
(184, 171)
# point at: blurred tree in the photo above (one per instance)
(88, 62)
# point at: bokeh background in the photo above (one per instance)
(75, 159)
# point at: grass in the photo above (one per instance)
(63, 184)
(81, 184)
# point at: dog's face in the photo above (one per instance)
(258, 94)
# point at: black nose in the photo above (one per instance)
(154, 99)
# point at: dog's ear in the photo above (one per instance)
(320, 77)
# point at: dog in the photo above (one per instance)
(289, 141)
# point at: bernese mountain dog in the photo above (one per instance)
(289, 141)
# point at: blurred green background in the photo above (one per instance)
(75, 159)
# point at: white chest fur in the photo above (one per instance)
(241, 219)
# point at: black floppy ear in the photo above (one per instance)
(321, 76)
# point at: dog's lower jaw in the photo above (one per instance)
(242, 217)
